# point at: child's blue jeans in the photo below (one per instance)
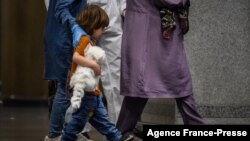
(92, 109)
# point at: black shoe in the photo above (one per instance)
(127, 137)
(138, 133)
(85, 134)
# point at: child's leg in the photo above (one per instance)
(78, 119)
(102, 123)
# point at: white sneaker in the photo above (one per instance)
(80, 137)
(54, 139)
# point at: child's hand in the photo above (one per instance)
(96, 68)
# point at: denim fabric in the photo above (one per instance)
(92, 109)
(58, 52)
(58, 48)
(60, 104)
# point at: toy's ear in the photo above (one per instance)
(87, 48)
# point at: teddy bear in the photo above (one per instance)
(84, 78)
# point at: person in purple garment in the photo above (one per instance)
(152, 67)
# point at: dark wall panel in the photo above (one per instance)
(22, 49)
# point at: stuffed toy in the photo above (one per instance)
(84, 78)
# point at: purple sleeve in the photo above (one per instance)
(171, 3)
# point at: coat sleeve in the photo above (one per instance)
(62, 11)
(172, 4)
(101, 3)
(122, 7)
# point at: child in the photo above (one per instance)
(168, 21)
(93, 19)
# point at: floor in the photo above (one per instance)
(23, 123)
(27, 123)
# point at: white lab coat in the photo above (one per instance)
(111, 43)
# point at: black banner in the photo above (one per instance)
(163, 132)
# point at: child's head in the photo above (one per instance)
(92, 18)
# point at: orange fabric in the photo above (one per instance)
(84, 41)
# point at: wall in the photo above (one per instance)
(0, 49)
(218, 49)
(22, 49)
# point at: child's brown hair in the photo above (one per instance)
(92, 17)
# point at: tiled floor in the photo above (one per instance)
(23, 123)
(27, 123)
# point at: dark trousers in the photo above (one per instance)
(132, 108)
(52, 84)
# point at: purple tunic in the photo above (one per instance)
(151, 66)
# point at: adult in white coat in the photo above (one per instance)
(111, 43)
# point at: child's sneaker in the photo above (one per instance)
(127, 137)
(53, 139)
(81, 137)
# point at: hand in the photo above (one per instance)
(77, 32)
(96, 68)
(184, 25)
(167, 32)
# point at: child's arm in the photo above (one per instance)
(86, 62)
